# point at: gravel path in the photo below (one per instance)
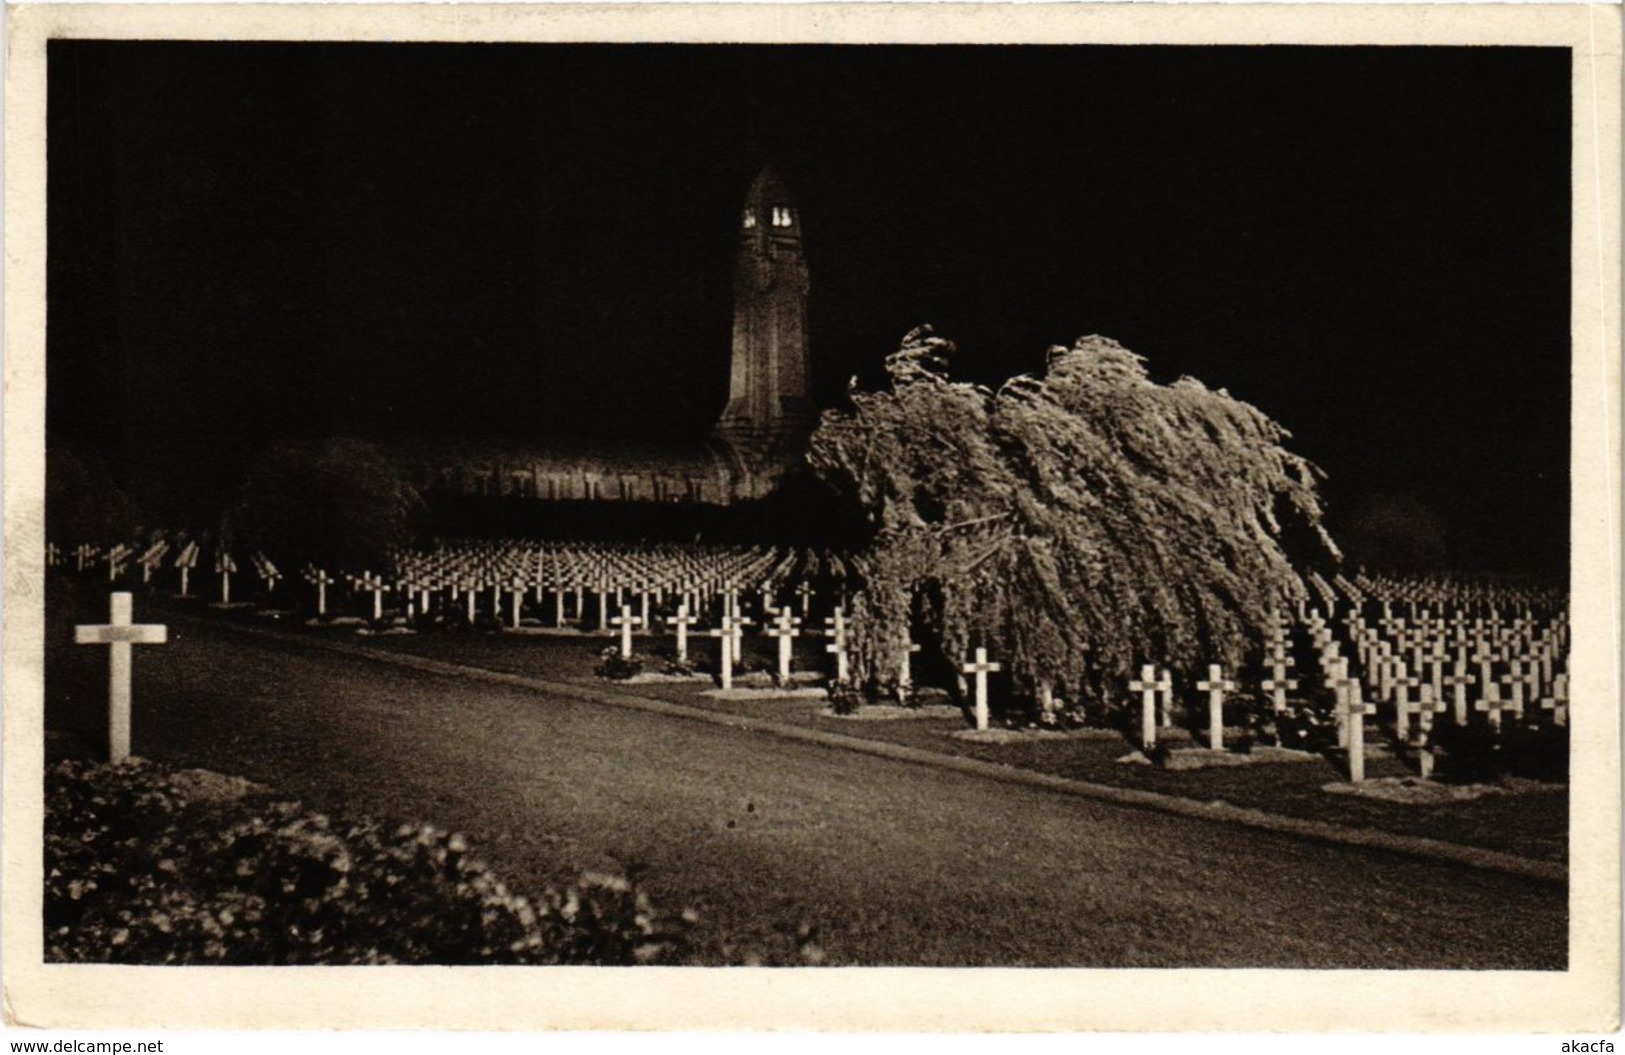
(889, 863)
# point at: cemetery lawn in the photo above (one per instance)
(1533, 824)
(865, 860)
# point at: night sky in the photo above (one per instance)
(251, 241)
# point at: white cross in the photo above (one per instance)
(1149, 684)
(371, 583)
(1355, 710)
(1515, 679)
(1558, 701)
(981, 668)
(1403, 705)
(1485, 660)
(1458, 680)
(1278, 686)
(1215, 686)
(785, 629)
(116, 558)
(1435, 658)
(626, 621)
(725, 637)
(268, 572)
(1493, 705)
(682, 620)
(186, 562)
(1426, 709)
(835, 627)
(516, 598)
(1337, 679)
(320, 579)
(225, 566)
(119, 634)
(738, 623)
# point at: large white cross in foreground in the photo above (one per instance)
(120, 634)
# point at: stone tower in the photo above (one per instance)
(768, 382)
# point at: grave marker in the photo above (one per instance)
(116, 559)
(186, 562)
(626, 621)
(119, 634)
(1492, 705)
(1458, 681)
(1356, 710)
(516, 598)
(805, 593)
(1558, 701)
(1148, 686)
(1403, 705)
(682, 621)
(981, 668)
(225, 566)
(784, 628)
(370, 583)
(835, 627)
(1426, 709)
(1215, 686)
(1514, 680)
(319, 579)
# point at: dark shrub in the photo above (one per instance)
(335, 503)
(612, 665)
(1467, 754)
(1305, 725)
(1540, 753)
(141, 868)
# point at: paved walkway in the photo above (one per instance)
(888, 862)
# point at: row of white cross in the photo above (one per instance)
(1443, 652)
(1153, 685)
(1457, 654)
(703, 577)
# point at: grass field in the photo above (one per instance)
(873, 860)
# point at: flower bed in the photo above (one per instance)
(148, 866)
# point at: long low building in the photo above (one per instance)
(713, 470)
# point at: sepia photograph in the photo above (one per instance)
(710, 502)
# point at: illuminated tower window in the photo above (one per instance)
(750, 219)
(781, 216)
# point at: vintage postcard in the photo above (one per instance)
(857, 517)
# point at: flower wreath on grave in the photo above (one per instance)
(612, 665)
(1304, 725)
(682, 667)
(846, 699)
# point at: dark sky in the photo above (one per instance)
(1369, 244)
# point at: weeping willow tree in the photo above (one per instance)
(1077, 524)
